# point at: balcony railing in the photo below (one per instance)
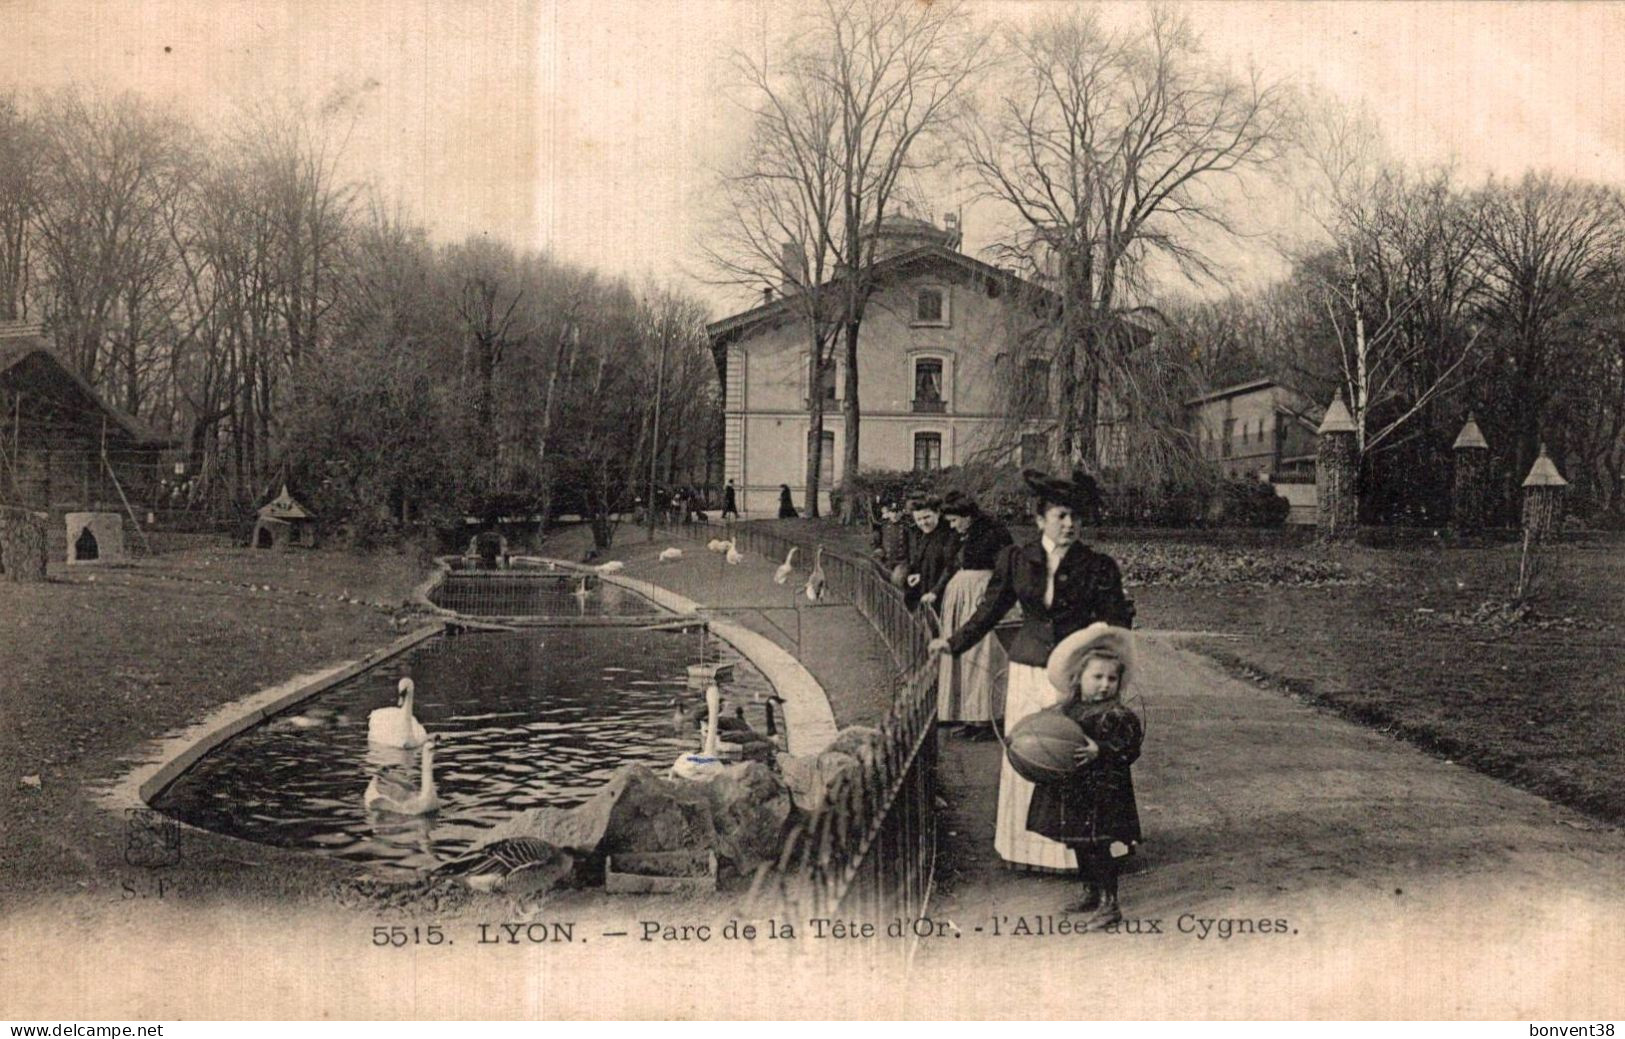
(930, 407)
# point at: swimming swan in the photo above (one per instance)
(705, 765)
(782, 574)
(398, 799)
(395, 726)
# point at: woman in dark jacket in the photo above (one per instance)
(787, 507)
(1062, 586)
(970, 687)
(931, 553)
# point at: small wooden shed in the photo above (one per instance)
(63, 449)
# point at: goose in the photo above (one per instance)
(705, 765)
(399, 799)
(734, 555)
(737, 741)
(782, 574)
(395, 726)
(614, 566)
(816, 580)
(512, 864)
(669, 554)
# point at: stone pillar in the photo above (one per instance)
(1542, 499)
(22, 545)
(1337, 468)
(1471, 479)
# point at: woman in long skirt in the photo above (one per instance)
(970, 687)
(1062, 586)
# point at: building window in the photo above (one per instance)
(826, 382)
(1034, 450)
(927, 451)
(931, 305)
(826, 459)
(928, 385)
(1035, 386)
(1229, 436)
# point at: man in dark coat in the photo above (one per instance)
(730, 501)
(894, 543)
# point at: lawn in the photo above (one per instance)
(1399, 639)
(99, 660)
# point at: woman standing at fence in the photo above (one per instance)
(1062, 587)
(969, 687)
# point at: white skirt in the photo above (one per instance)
(1027, 690)
(971, 685)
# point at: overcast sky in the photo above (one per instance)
(591, 127)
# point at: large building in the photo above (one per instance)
(930, 358)
(1261, 430)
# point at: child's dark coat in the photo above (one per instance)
(1097, 802)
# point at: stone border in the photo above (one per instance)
(808, 718)
(176, 753)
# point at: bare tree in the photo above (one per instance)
(1109, 146)
(21, 147)
(849, 112)
(1547, 246)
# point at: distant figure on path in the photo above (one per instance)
(1063, 587)
(730, 502)
(970, 687)
(787, 508)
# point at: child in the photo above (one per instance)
(1094, 811)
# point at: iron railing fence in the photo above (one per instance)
(870, 851)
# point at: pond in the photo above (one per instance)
(537, 592)
(525, 719)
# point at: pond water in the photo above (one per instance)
(537, 593)
(525, 719)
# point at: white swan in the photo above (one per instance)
(395, 726)
(717, 545)
(669, 554)
(705, 765)
(816, 581)
(734, 555)
(399, 799)
(782, 574)
(612, 567)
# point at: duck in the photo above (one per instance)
(667, 555)
(387, 795)
(816, 581)
(395, 726)
(734, 555)
(614, 566)
(511, 864)
(782, 574)
(704, 766)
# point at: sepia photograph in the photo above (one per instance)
(799, 510)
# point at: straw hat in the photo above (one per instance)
(1066, 659)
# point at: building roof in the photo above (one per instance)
(1338, 419)
(1543, 473)
(742, 324)
(284, 507)
(17, 350)
(1470, 436)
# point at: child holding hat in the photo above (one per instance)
(1094, 810)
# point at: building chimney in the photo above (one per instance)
(956, 233)
(767, 294)
(793, 265)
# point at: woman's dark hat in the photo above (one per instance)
(1080, 492)
(955, 503)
